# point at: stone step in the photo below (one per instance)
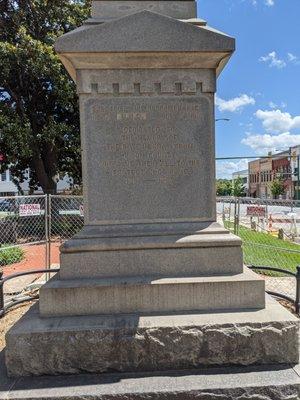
(251, 383)
(143, 294)
(173, 251)
(133, 342)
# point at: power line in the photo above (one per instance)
(272, 157)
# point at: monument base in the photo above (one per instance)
(157, 250)
(149, 295)
(98, 344)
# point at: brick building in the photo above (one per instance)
(263, 171)
(254, 178)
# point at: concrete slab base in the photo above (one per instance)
(127, 343)
(247, 383)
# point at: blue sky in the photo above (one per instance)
(259, 90)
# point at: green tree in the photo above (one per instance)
(223, 187)
(39, 118)
(277, 188)
(238, 189)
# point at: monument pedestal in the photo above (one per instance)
(157, 250)
(146, 295)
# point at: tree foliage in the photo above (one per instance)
(228, 187)
(238, 189)
(277, 187)
(39, 119)
(224, 187)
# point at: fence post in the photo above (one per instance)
(298, 290)
(47, 233)
(1, 296)
(223, 213)
(236, 216)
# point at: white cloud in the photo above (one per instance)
(268, 3)
(248, 125)
(262, 144)
(225, 169)
(273, 60)
(293, 59)
(276, 121)
(273, 105)
(235, 104)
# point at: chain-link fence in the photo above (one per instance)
(270, 231)
(23, 231)
(65, 220)
(32, 228)
(31, 231)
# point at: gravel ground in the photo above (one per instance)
(9, 319)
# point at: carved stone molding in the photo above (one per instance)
(146, 82)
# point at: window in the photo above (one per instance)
(3, 176)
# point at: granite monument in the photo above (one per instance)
(152, 282)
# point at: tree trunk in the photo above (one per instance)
(47, 183)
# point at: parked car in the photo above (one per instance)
(6, 205)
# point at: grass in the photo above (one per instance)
(11, 255)
(263, 249)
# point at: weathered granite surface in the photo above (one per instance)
(147, 136)
(159, 262)
(150, 295)
(156, 250)
(247, 383)
(148, 155)
(243, 383)
(124, 35)
(147, 133)
(252, 383)
(107, 9)
(50, 346)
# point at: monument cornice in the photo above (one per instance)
(143, 32)
(144, 60)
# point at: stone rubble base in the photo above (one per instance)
(135, 342)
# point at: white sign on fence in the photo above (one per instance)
(27, 210)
